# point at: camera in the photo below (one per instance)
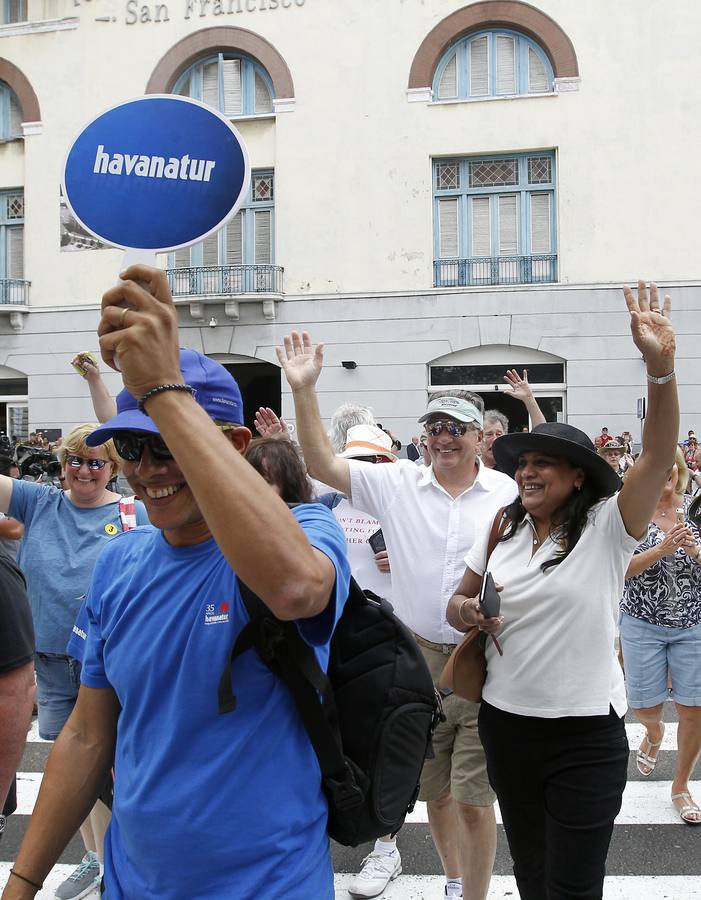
(38, 464)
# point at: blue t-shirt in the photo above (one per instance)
(57, 554)
(206, 806)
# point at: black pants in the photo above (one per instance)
(559, 783)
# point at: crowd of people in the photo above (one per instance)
(136, 603)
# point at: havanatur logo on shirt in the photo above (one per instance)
(214, 615)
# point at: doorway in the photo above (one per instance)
(260, 386)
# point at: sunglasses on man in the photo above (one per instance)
(372, 459)
(454, 429)
(95, 465)
(130, 446)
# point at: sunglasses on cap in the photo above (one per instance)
(95, 465)
(130, 446)
(454, 429)
(372, 459)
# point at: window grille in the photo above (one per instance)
(539, 170)
(491, 173)
(447, 176)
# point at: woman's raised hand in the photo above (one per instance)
(652, 330)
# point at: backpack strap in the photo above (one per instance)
(127, 513)
(283, 650)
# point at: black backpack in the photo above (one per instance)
(370, 720)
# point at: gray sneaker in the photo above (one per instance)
(83, 880)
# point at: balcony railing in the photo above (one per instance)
(14, 292)
(495, 270)
(225, 281)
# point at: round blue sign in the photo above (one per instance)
(156, 173)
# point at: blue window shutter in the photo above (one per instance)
(233, 95)
(538, 81)
(479, 67)
(210, 250)
(263, 228)
(541, 238)
(263, 102)
(448, 228)
(15, 251)
(506, 64)
(234, 241)
(448, 87)
(508, 224)
(210, 84)
(481, 227)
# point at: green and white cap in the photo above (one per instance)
(455, 407)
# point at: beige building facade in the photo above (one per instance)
(440, 191)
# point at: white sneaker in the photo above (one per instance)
(376, 873)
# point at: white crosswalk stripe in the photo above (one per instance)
(646, 805)
(644, 802)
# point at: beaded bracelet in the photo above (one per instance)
(160, 388)
(28, 880)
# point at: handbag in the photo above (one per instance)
(466, 670)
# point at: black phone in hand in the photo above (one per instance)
(490, 602)
(377, 541)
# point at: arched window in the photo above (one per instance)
(494, 63)
(232, 83)
(10, 114)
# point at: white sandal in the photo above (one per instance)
(690, 806)
(644, 759)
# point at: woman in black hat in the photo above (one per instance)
(551, 719)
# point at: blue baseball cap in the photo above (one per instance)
(214, 388)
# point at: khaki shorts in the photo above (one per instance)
(459, 767)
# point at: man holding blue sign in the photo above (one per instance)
(205, 805)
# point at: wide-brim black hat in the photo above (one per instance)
(558, 439)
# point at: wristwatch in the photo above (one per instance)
(3, 822)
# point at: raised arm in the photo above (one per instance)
(653, 335)
(255, 530)
(521, 390)
(102, 401)
(302, 364)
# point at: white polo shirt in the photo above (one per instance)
(427, 534)
(559, 625)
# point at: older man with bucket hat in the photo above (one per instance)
(447, 503)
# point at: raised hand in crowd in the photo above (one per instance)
(300, 360)
(520, 389)
(86, 365)
(270, 425)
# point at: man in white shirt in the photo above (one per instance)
(453, 500)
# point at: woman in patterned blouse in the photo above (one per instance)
(661, 635)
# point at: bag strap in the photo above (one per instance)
(283, 650)
(499, 525)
